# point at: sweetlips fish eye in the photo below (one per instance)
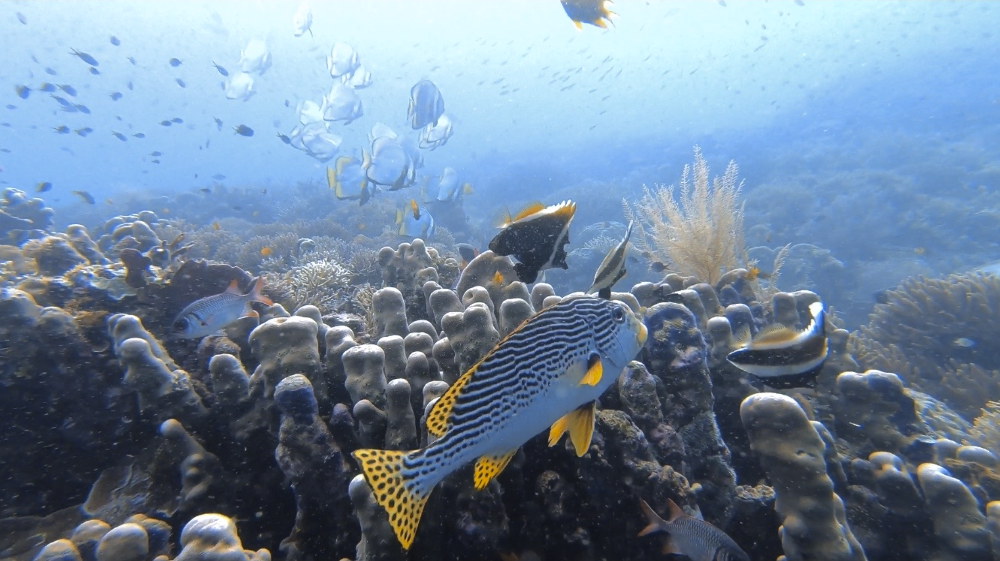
(181, 324)
(618, 314)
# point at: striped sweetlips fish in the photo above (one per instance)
(548, 372)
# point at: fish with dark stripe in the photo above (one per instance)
(785, 358)
(612, 268)
(548, 372)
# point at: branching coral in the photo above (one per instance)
(321, 283)
(941, 335)
(701, 232)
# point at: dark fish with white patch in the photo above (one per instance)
(612, 268)
(537, 238)
(785, 358)
(211, 313)
(696, 539)
(426, 104)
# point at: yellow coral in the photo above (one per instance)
(701, 232)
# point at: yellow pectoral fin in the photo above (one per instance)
(383, 469)
(488, 467)
(580, 424)
(595, 371)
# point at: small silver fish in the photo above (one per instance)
(694, 538)
(548, 372)
(783, 357)
(611, 269)
(211, 313)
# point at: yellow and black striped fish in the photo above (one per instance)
(546, 373)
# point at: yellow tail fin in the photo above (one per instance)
(402, 500)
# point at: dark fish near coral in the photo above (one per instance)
(85, 196)
(426, 104)
(467, 252)
(593, 12)
(537, 238)
(548, 372)
(85, 57)
(784, 358)
(697, 539)
(243, 130)
(211, 313)
(612, 268)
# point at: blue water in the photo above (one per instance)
(856, 107)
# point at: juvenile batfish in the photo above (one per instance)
(785, 358)
(207, 315)
(548, 372)
(537, 237)
(691, 537)
(612, 269)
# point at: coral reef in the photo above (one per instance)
(941, 335)
(252, 428)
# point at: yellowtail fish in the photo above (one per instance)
(785, 358)
(594, 12)
(696, 539)
(548, 372)
(537, 238)
(207, 315)
(612, 268)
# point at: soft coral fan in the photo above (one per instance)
(699, 234)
